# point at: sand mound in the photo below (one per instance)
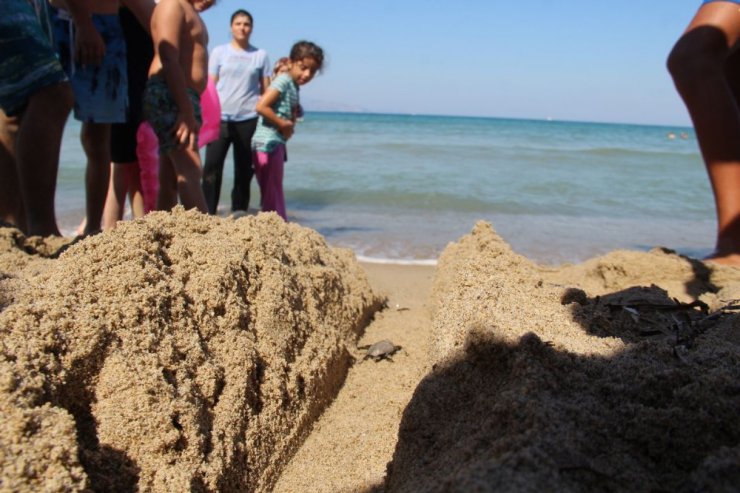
(177, 353)
(585, 378)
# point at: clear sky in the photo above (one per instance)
(587, 60)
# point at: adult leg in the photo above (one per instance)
(214, 167)
(697, 64)
(37, 155)
(96, 142)
(243, 171)
(11, 202)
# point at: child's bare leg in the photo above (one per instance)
(96, 142)
(167, 196)
(697, 64)
(189, 173)
(135, 195)
(115, 198)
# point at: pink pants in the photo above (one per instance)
(268, 168)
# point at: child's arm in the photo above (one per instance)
(168, 21)
(264, 108)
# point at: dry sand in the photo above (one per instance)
(188, 353)
(582, 378)
(177, 353)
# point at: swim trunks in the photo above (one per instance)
(101, 94)
(27, 59)
(160, 110)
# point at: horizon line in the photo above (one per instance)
(488, 117)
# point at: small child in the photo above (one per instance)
(278, 109)
(177, 77)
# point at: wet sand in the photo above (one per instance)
(182, 352)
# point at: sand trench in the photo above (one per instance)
(126, 365)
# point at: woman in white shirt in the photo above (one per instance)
(241, 73)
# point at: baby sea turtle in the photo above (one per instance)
(380, 350)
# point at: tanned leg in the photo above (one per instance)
(11, 202)
(37, 155)
(697, 64)
(96, 142)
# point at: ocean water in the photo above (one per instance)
(401, 187)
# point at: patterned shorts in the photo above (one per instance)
(101, 92)
(160, 110)
(27, 59)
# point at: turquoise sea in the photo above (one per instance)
(400, 187)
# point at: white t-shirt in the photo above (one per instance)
(239, 73)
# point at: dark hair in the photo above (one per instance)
(307, 49)
(239, 13)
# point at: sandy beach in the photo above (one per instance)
(183, 352)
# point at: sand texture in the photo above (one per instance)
(354, 440)
(189, 353)
(582, 378)
(180, 352)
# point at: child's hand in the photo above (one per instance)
(186, 130)
(286, 128)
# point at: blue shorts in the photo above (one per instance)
(27, 59)
(160, 110)
(101, 92)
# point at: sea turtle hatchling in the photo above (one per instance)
(380, 350)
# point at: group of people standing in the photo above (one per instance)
(259, 109)
(44, 72)
(242, 74)
(125, 71)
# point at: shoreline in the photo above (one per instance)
(547, 240)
